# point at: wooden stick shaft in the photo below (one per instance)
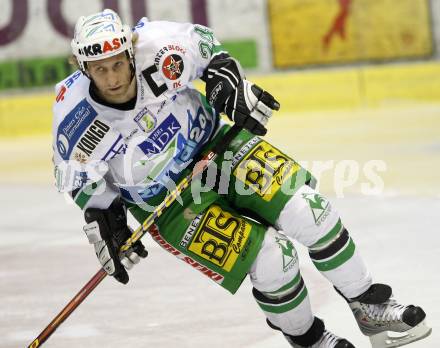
(69, 308)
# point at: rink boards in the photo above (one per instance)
(312, 90)
(400, 143)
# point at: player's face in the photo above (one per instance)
(112, 77)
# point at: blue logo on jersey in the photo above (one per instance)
(72, 78)
(161, 137)
(139, 194)
(200, 128)
(118, 147)
(138, 25)
(73, 126)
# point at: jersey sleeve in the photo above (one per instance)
(81, 175)
(177, 53)
(89, 185)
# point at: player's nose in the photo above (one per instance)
(112, 79)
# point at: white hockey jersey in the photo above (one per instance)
(101, 152)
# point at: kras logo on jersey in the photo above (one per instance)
(73, 126)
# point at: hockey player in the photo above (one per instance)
(129, 124)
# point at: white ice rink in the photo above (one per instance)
(45, 258)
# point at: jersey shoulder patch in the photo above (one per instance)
(164, 53)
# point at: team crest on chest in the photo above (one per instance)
(172, 67)
(145, 120)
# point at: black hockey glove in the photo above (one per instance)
(242, 101)
(107, 230)
(222, 76)
(251, 107)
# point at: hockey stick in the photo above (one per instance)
(137, 234)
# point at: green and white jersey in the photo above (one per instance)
(139, 152)
(101, 152)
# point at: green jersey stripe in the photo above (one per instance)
(86, 193)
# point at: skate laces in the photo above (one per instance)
(328, 340)
(385, 312)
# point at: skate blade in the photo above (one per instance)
(389, 339)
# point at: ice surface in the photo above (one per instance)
(45, 260)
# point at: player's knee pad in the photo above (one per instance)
(309, 338)
(278, 286)
(308, 216)
(276, 265)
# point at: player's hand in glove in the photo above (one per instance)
(107, 230)
(251, 107)
(242, 101)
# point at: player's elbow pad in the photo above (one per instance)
(222, 76)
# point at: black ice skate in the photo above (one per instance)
(388, 323)
(316, 337)
(328, 340)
